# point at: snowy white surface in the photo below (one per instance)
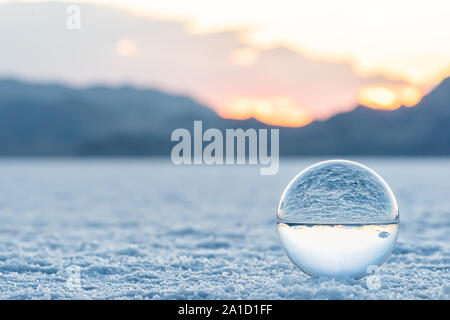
(146, 229)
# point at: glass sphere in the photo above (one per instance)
(338, 219)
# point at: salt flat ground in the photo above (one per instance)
(146, 229)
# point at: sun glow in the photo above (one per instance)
(284, 64)
(389, 97)
(244, 57)
(126, 47)
(280, 111)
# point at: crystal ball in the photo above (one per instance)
(338, 219)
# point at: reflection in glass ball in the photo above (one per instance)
(338, 219)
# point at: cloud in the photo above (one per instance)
(116, 47)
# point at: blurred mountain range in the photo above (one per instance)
(56, 120)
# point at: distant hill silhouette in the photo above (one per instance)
(54, 120)
(421, 130)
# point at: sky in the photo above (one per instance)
(284, 62)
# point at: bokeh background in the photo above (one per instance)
(339, 78)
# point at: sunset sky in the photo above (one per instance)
(283, 62)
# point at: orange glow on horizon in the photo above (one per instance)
(278, 111)
(284, 111)
(389, 97)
